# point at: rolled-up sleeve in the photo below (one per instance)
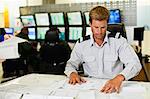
(74, 61)
(132, 64)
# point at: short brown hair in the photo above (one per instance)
(99, 13)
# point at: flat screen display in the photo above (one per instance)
(86, 17)
(42, 19)
(115, 16)
(74, 18)
(9, 31)
(88, 31)
(62, 33)
(75, 33)
(41, 31)
(32, 33)
(28, 20)
(57, 18)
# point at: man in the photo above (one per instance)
(103, 56)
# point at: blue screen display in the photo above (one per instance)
(32, 33)
(9, 31)
(115, 16)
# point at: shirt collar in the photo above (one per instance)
(105, 39)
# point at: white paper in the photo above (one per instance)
(9, 48)
(29, 96)
(132, 88)
(12, 40)
(90, 84)
(9, 95)
(65, 93)
(86, 95)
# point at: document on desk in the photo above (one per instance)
(129, 91)
(91, 84)
(129, 87)
(9, 95)
(31, 96)
(86, 95)
(9, 48)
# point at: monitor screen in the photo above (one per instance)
(75, 33)
(9, 31)
(41, 31)
(28, 20)
(86, 14)
(88, 31)
(57, 18)
(74, 18)
(138, 33)
(42, 19)
(32, 33)
(62, 33)
(115, 16)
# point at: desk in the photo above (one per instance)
(45, 86)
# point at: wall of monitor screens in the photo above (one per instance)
(41, 31)
(57, 18)
(32, 33)
(42, 19)
(72, 25)
(62, 35)
(28, 20)
(74, 18)
(75, 33)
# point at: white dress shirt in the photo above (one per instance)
(105, 61)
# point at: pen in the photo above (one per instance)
(21, 96)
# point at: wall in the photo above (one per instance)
(75, 1)
(1, 19)
(13, 7)
(143, 15)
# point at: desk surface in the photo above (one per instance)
(44, 86)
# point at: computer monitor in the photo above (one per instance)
(57, 18)
(9, 31)
(115, 16)
(32, 33)
(114, 28)
(86, 14)
(138, 33)
(75, 33)
(42, 19)
(74, 18)
(41, 31)
(62, 33)
(88, 31)
(28, 20)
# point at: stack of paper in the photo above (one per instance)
(9, 48)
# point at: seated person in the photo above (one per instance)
(54, 53)
(18, 66)
(103, 56)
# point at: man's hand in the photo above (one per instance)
(75, 78)
(113, 85)
(7, 36)
(2, 60)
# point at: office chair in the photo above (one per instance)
(54, 53)
(114, 28)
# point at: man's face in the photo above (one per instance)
(99, 29)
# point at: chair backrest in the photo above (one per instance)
(54, 53)
(114, 28)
